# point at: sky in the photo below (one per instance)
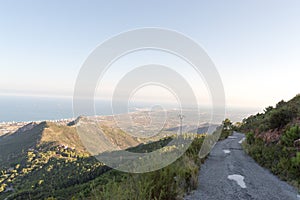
(255, 45)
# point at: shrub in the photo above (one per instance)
(281, 117)
(290, 136)
(169, 182)
(296, 160)
(277, 157)
(250, 138)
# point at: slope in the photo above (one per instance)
(273, 139)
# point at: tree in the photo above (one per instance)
(227, 124)
(268, 109)
(280, 104)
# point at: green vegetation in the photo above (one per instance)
(43, 173)
(272, 139)
(49, 162)
(290, 135)
(273, 118)
(171, 182)
(227, 129)
(46, 160)
(71, 176)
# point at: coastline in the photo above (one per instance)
(11, 127)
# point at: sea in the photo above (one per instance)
(37, 108)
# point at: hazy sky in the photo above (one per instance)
(255, 44)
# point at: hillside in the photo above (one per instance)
(48, 159)
(273, 139)
(41, 158)
(37, 137)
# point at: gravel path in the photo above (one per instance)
(229, 174)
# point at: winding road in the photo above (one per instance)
(230, 174)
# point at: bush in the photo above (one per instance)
(169, 182)
(290, 136)
(250, 138)
(227, 129)
(282, 159)
(296, 160)
(281, 117)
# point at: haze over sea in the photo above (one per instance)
(34, 108)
